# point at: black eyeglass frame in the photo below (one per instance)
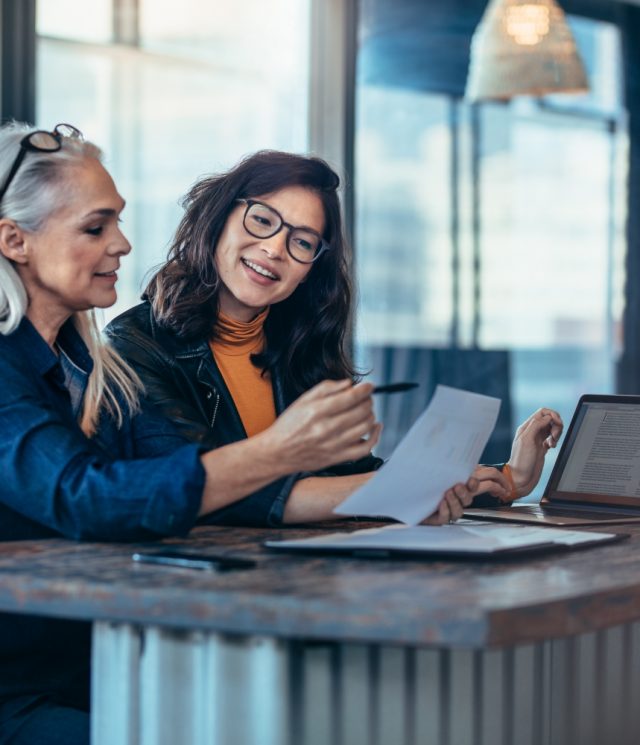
(322, 247)
(27, 145)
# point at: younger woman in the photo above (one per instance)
(251, 311)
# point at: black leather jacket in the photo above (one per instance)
(182, 379)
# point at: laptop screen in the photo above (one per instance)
(599, 462)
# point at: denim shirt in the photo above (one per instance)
(134, 482)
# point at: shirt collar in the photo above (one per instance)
(42, 358)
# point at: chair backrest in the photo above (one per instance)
(476, 370)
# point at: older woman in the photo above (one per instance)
(79, 456)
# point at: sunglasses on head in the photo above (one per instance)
(40, 141)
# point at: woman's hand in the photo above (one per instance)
(540, 432)
(331, 423)
(492, 481)
(453, 503)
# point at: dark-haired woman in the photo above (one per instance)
(250, 312)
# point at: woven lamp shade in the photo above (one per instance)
(523, 47)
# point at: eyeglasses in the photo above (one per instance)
(261, 221)
(40, 141)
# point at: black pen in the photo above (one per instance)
(395, 387)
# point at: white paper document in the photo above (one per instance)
(441, 449)
(466, 537)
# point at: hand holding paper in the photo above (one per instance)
(441, 449)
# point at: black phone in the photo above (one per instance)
(187, 560)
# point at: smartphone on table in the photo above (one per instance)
(188, 560)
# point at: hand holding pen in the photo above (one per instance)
(333, 422)
(394, 387)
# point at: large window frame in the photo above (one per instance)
(332, 107)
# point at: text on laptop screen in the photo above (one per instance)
(603, 453)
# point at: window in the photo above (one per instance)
(495, 228)
(172, 91)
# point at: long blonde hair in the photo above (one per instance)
(33, 196)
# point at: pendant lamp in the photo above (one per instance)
(523, 47)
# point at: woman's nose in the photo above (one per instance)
(121, 245)
(276, 246)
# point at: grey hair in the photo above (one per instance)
(32, 196)
(35, 193)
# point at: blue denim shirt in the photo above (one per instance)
(139, 481)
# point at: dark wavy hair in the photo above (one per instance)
(305, 333)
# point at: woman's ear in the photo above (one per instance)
(12, 242)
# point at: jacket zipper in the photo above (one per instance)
(215, 410)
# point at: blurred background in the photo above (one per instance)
(495, 243)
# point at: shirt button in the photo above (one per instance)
(209, 395)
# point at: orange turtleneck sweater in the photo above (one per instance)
(232, 346)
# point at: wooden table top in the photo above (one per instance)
(472, 604)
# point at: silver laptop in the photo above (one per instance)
(596, 477)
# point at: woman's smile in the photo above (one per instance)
(265, 275)
(110, 276)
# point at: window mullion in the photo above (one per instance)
(18, 75)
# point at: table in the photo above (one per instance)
(306, 650)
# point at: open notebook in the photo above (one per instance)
(463, 539)
(596, 477)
